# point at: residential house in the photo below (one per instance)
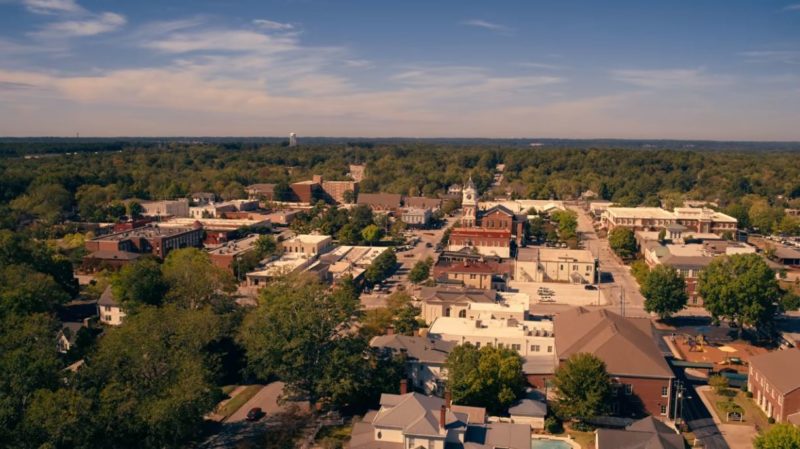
(109, 310)
(529, 411)
(415, 421)
(647, 433)
(67, 336)
(536, 264)
(642, 378)
(775, 384)
(425, 359)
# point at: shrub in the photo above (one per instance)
(719, 383)
(771, 420)
(749, 394)
(553, 425)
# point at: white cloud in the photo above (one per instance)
(770, 56)
(793, 7)
(225, 40)
(487, 25)
(272, 25)
(97, 24)
(540, 65)
(52, 6)
(357, 63)
(670, 78)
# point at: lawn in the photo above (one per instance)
(237, 402)
(752, 414)
(334, 436)
(585, 439)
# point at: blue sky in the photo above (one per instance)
(694, 69)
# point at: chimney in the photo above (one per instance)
(403, 386)
(443, 416)
(447, 398)
(390, 330)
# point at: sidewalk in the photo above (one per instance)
(738, 436)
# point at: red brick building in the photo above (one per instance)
(641, 376)
(774, 380)
(114, 250)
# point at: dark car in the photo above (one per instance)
(255, 414)
(429, 245)
(589, 287)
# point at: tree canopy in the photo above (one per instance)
(487, 377)
(622, 241)
(664, 291)
(779, 436)
(583, 387)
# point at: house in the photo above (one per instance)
(173, 208)
(416, 217)
(308, 244)
(109, 310)
(228, 254)
(412, 420)
(642, 378)
(575, 266)
(67, 336)
(425, 359)
(476, 274)
(282, 217)
(775, 384)
(381, 202)
(529, 411)
(647, 433)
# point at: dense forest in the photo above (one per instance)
(91, 185)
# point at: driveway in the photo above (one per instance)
(266, 399)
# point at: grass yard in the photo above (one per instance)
(237, 402)
(752, 414)
(334, 437)
(585, 439)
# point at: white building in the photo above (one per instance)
(109, 310)
(528, 338)
(575, 266)
(292, 139)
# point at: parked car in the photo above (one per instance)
(589, 287)
(428, 245)
(255, 414)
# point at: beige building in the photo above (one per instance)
(308, 244)
(694, 219)
(528, 338)
(175, 208)
(473, 304)
(109, 310)
(576, 266)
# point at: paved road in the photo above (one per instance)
(624, 286)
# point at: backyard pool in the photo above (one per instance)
(541, 443)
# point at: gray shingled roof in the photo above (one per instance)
(107, 298)
(648, 433)
(416, 414)
(457, 295)
(426, 350)
(529, 407)
(626, 345)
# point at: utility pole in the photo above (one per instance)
(679, 389)
(622, 300)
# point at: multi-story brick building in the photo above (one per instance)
(154, 239)
(336, 191)
(774, 380)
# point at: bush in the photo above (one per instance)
(749, 394)
(719, 383)
(771, 420)
(553, 425)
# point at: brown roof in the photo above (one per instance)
(626, 345)
(781, 369)
(465, 267)
(384, 200)
(648, 433)
(261, 188)
(421, 202)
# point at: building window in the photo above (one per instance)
(107, 308)
(664, 391)
(447, 311)
(462, 313)
(473, 276)
(549, 349)
(516, 347)
(628, 389)
(663, 409)
(535, 348)
(108, 317)
(478, 345)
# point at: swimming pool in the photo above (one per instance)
(541, 443)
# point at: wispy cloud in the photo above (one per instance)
(240, 41)
(792, 7)
(97, 24)
(52, 6)
(496, 27)
(670, 78)
(357, 63)
(771, 56)
(272, 25)
(540, 65)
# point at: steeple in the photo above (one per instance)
(469, 203)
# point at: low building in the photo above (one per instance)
(489, 242)
(787, 256)
(308, 244)
(641, 377)
(282, 217)
(171, 208)
(199, 198)
(647, 433)
(473, 304)
(597, 208)
(775, 384)
(412, 420)
(529, 411)
(109, 310)
(218, 210)
(700, 220)
(415, 217)
(475, 274)
(220, 230)
(575, 266)
(523, 207)
(264, 192)
(289, 263)
(228, 254)
(308, 192)
(350, 261)
(425, 359)
(157, 240)
(528, 338)
(420, 202)
(381, 202)
(357, 172)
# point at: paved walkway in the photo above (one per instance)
(737, 436)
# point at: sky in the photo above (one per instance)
(638, 69)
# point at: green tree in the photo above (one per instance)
(381, 268)
(421, 270)
(194, 281)
(719, 383)
(779, 436)
(567, 221)
(294, 332)
(664, 290)
(24, 291)
(140, 282)
(349, 197)
(266, 246)
(349, 235)
(622, 242)
(371, 234)
(740, 213)
(763, 216)
(583, 388)
(61, 419)
(47, 202)
(741, 289)
(640, 270)
(488, 377)
(449, 206)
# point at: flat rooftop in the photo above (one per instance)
(533, 254)
(310, 238)
(641, 212)
(234, 247)
(490, 328)
(217, 223)
(146, 232)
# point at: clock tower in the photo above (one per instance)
(469, 204)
